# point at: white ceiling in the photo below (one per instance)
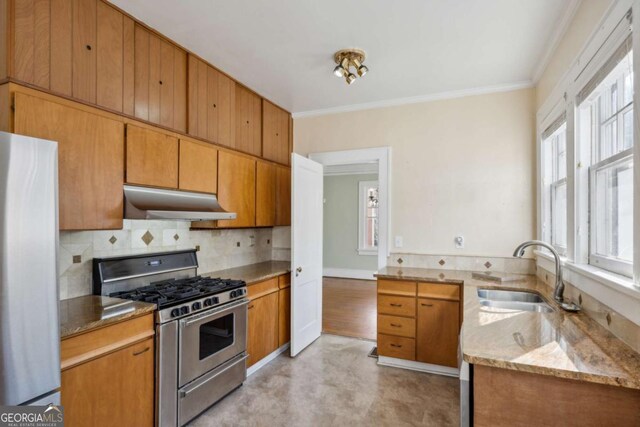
(283, 49)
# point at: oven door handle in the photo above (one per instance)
(233, 362)
(198, 317)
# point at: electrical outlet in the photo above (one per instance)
(459, 242)
(252, 241)
(398, 241)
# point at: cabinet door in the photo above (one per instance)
(275, 133)
(263, 327)
(283, 196)
(30, 61)
(198, 93)
(437, 331)
(152, 158)
(265, 194)
(110, 49)
(248, 121)
(61, 47)
(84, 62)
(116, 389)
(90, 160)
(198, 169)
(284, 316)
(220, 108)
(237, 189)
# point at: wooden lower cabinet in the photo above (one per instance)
(108, 375)
(262, 332)
(284, 316)
(419, 321)
(503, 397)
(90, 160)
(438, 327)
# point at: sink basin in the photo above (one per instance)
(513, 300)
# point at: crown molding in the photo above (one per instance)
(417, 99)
(558, 33)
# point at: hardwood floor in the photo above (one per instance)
(349, 307)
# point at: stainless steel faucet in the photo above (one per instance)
(558, 292)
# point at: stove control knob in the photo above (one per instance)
(232, 294)
(184, 309)
(175, 312)
(208, 302)
(215, 300)
(196, 306)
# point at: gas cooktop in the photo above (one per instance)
(167, 293)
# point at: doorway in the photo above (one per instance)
(355, 238)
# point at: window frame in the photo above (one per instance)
(550, 182)
(363, 249)
(617, 291)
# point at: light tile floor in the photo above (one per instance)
(334, 383)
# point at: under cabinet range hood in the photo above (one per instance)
(156, 203)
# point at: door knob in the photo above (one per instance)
(298, 271)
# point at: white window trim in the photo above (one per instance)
(609, 288)
(362, 188)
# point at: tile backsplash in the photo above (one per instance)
(219, 249)
(463, 262)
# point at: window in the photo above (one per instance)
(554, 146)
(368, 218)
(606, 112)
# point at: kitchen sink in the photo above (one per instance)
(513, 300)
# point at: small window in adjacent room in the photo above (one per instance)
(368, 218)
(554, 147)
(606, 122)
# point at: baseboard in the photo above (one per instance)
(418, 366)
(265, 360)
(348, 273)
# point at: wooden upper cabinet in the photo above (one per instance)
(61, 47)
(160, 80)
(90, 160)
(30, 41)
(110, 57)
(248, 121)
(438, 327)
(84, 50)
(198, 170)
(283, 196)
(152, 158)
(265, 194)
(237, 188)
(275, 133)
(211, 103)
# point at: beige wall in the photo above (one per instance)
(584, 23)
(460, 166)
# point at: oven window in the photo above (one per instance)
(216, 335)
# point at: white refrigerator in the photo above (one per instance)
(29, 296)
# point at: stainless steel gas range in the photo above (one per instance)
(201, 327)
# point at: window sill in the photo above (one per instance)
(616, 282)
(367, 252)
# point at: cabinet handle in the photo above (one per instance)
(250, 307)
(247, 121)
(395, 305)
(426, 305)
(214, 105)
(138, 353)
(395, 325)
(160, 82)
(396, 345)
(276, 133)
(88, 47)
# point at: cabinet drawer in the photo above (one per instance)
(439, 291)
(397, 287)
(399, 326)
(81, 348)
(261, 289)
(399, 306)
(284, 281)
(398, 347)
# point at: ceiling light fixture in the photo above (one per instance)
(346, 59)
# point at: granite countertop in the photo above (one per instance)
(254, 273)
(561, 344)
(88, 312)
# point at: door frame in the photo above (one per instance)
(367, 155)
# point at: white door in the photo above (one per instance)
(306, 252)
